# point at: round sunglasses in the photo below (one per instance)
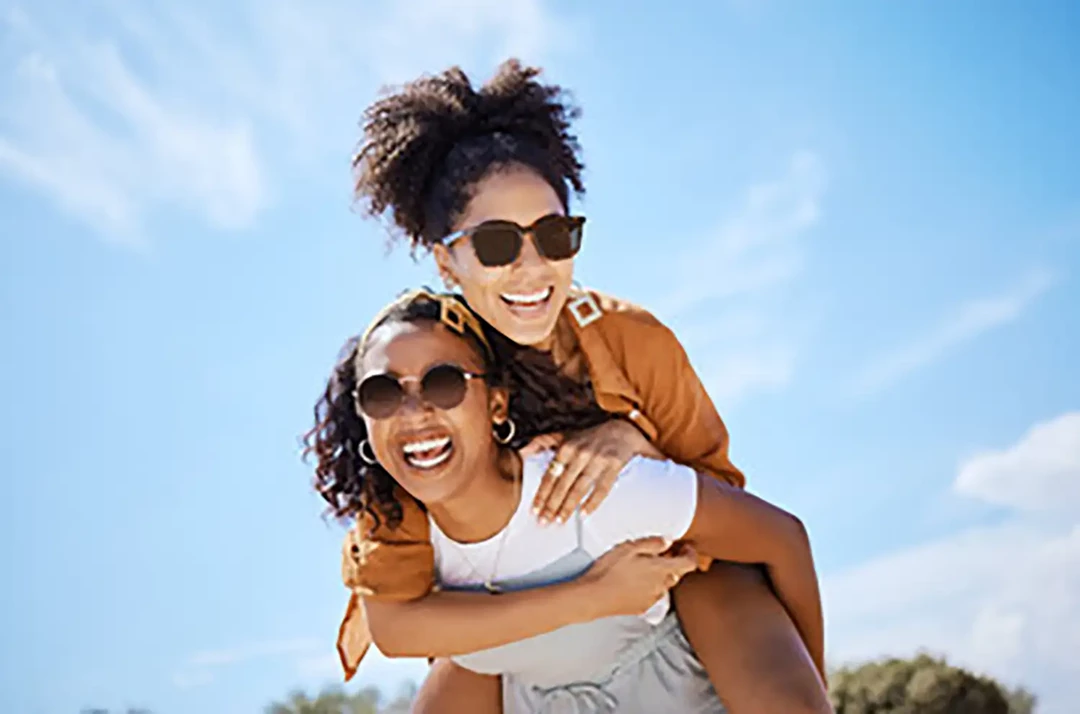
(498, 243)
(380, 396)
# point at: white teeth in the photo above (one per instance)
(427, 445)
(528, 298)
(440, 447)
(428, 463)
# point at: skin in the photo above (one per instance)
(521, 196)
(473, 494)
(754, 653)
(403, 350)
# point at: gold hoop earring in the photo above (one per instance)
(511, 429)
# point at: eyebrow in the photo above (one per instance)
(425, 370)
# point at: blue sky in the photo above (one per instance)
(862, 218)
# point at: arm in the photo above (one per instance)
(626, 580)
(444, 623)
(731, 524)
(662, 498)
(688, 429)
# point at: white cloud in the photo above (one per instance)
(192, 679)
(260, 650)
(743, 272)
(120, 111)
(1003, 599)
(760, 247)
(201, 668)
(1040, 473)
(84, 128)
(962, 324)
(423, 35)
(324, 666)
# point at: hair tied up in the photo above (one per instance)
(426, 145)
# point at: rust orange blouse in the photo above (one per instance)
(638, 369)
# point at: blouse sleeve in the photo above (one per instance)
(689, 429)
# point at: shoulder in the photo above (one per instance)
(621, 317)
(650, 497)
(647, 471)
(533, 467)
(648, 483)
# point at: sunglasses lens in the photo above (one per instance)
(496, 245)
(444, 386)
(557, 237)
(379, 396)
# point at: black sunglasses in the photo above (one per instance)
(498, 243)
(443, 386)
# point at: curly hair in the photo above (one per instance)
(427, 145)
(542, 400)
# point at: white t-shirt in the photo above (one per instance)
(650, 498)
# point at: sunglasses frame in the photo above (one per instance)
(466, 375)
(576, 223)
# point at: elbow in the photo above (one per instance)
(793, 542)
(385, 642)
(798, 531)
(794, 531)
(392, 648)
(390, 637)
(812, 701)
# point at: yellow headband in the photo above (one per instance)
(452, 313)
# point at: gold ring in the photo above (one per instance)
(556, 469)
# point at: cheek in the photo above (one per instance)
(379, 436)
(472, 420)
(479, 282)
(564, 272)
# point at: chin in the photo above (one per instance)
(529, 337)
(528, 332)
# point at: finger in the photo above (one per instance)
(533, 447)
(674, 578)
(596, 469)
(675, 569)
(601, 489)
(554, 440)
(547, 483)
(629, 549)
(541, 443)
(653, 545)
(684, 564)
(575, 468)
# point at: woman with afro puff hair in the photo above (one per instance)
(482, 179)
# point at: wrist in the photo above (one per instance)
(580, 600)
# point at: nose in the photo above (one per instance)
(413, 400)
(530, 256)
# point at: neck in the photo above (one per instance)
(486, 506)
(566, 351)
(562, 343)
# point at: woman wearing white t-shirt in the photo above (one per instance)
(416, 404)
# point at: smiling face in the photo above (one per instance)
(435, 454)
(522, 300)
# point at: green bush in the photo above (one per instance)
(923, 685)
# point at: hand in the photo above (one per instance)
(588, 460)
(632, 576)
(544, 442)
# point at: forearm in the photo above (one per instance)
(794, 579)
(731, 524)
(443, 624)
